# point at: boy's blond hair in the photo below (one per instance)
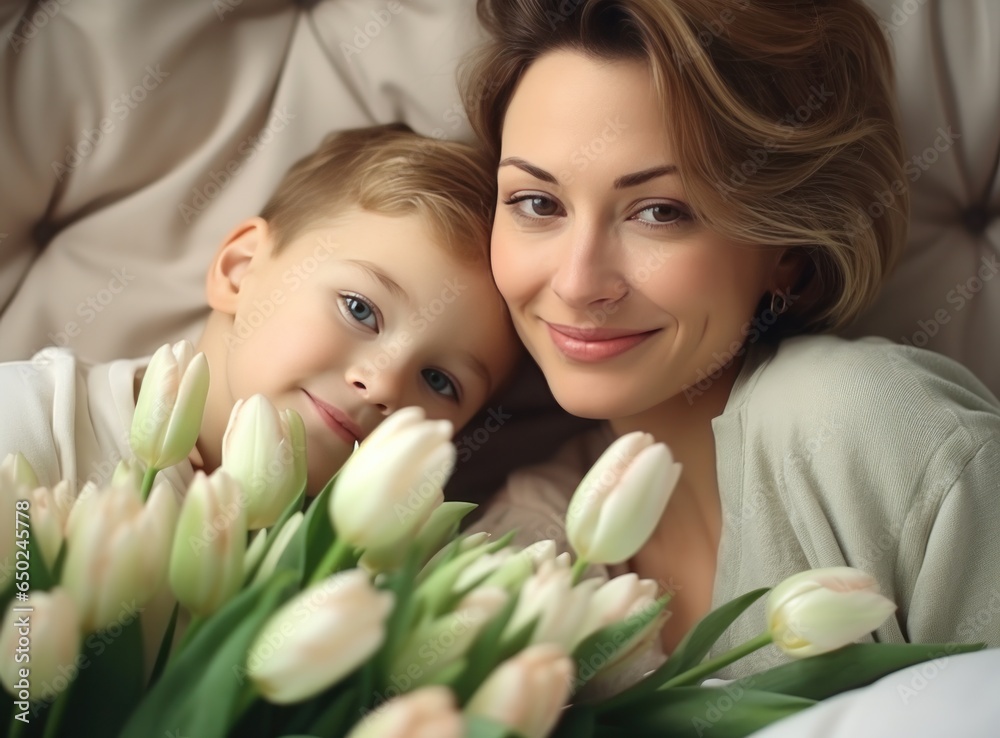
(391, 170)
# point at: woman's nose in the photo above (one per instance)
(587, 274)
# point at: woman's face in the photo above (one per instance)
(621, 296)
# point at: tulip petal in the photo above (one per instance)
(635, 507)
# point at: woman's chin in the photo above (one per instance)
(598, 403)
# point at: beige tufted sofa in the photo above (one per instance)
(133, 135)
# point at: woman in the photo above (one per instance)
(690, 191)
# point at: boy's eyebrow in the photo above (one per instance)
(479, 368)
(375, 272)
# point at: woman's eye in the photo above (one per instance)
(440, 383)
(361, 310)
(534, 206)
(660, 214)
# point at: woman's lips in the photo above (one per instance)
(336, 420)
(594, 344)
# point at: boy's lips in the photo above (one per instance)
(337, 420)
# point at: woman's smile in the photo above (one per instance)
(595, 344)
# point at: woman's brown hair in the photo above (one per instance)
(781, 117)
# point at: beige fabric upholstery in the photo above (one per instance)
(133, 136)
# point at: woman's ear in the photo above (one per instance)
(792, 266)
(231, 261)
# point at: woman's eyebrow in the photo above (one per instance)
(638, 178)
(536, 172)
(626, 180)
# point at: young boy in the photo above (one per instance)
(363, 287)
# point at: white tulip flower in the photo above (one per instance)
(54, 629)
(206, 564)
(319, 637)
(393, 483)
(824, 609)
(265, 451)
(527, 692)
(619, 502)
(428, 712)
(170, 406)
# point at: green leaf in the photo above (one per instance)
(693, 649)
(597, 649)
(484, 654)
(293, 507)
(857, 665)
(310, 542)
(336, 719)
(480, 727)
(112, 656)
(203, 686)
(441, 527)
(696, 711)
(437, 591)
(163, 654)
(405, 612)
(41, 577)
(576, 722)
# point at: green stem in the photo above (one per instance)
(579, 567)
(147, 482)
(193, 627)
(17, 728)
(332, 560)
(704, 669)
(55, 715)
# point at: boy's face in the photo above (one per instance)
(357, 318)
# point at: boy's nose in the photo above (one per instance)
(378, 386)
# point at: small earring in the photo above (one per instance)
(779, 305)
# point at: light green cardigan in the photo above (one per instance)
(832, 452)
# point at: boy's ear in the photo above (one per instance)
(229, 266)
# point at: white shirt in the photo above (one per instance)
(71, 419)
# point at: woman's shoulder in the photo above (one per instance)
(869, 380)
(868, 395)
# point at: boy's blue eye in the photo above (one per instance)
(361, 311)
(439, 382)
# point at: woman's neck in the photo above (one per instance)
(685, 425)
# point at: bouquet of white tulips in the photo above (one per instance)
(245, 609)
